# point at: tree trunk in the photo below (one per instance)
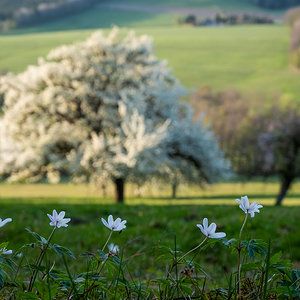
(103, 187)
(174, 189)
(285, 185)
(119, 191)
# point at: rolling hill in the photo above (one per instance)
(249, 58)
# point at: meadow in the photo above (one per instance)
(151, 230)
(248, 58)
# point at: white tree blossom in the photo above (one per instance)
(99, 110)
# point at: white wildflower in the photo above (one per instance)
(58, 220)
(4, 251)
(116, 225)
(2, 223)
(247, 208)
(210, 231)
(113, 248)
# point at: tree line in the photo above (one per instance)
(20, 13)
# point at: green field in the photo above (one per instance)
(248, 58)
(151, 230)
(221, 193)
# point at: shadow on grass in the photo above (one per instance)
(269, 199)
(221, 197)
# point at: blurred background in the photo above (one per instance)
(238, 61)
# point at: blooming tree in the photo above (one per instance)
(98, 110)
(193, 153)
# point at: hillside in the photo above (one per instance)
(250, 58)
(26, 13)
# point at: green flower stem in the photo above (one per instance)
(107, 240)
(39, 261)
(242, 228)
(239, 249)
(183, 256)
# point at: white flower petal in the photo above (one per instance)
(2, 223)
(110, 220)
(205, 223)
(61, 215)
(105, 223)
(245, 202)
(212, 228)
(202, 229)
(218, 235)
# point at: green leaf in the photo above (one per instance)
(2, 276)
(37, 236)
(27, 295)
(60, 250)
(275, 258)
(250, 266)
(3, 245)
(228, 243)
(116, 260)
(103, 255)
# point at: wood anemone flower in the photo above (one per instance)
(247, 208)
(116, 225)
(58, 220)
(210, 231)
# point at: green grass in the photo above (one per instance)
(149, 227)
(248, 58)
(221, 193)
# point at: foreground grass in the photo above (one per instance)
(248, 58)
(152, 229)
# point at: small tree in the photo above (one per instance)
(97, 110)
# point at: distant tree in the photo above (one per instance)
(257, 138)
(274, 136)
(292, 15)
(19, 13)
(295, 44)
(193, 154)
(100, 110)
